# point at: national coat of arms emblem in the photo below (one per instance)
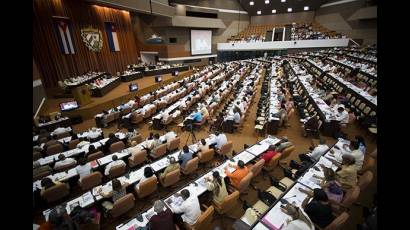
(92, 38)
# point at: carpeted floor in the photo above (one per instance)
(246, 136)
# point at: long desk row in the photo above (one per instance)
(198, 186)
(274, 217)
(368, 99)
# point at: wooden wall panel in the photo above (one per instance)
(53, 65)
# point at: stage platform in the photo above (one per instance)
(113, 98)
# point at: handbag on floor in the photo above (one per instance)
(266, 197)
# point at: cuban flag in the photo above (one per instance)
(111, 30)
(64, 34)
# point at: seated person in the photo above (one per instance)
(83, 142)
(240, 172)
(332, 187)
(316, 153)
(148, 173)
(91, 149)
(347, 175)
(342, 115)
(84, 218)
(83, 168)
(236, 116)
(189, 208)
(173, 165)
(299, 219)
(357, 154)
(63, 161)
(163, 219)
(111, 140)
(220, 139)
(59, 130)
(318, 209)
(47, 183)
(118, 191)
(197, 117)
(269, 154)
(204, 111)
(114, 162)
(52, 140)
(312, 124)
(283, 144)
(216, 184)
(203, 147)
(131, 133)
(185, 156)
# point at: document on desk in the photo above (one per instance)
(86, 199)
(258, 149)
(244, 156)
(260, 226)
(176, 201)
(309, 180)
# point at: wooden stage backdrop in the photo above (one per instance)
(54, 65)
(114, 98)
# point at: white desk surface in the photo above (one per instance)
(83, 201)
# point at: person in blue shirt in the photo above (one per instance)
(185, 156)
(197, 116)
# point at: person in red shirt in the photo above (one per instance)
(269, 154)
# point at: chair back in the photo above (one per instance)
(228, 204)
(110, 117)
(171, 178)
(42, 174)
(147, 187)
(137, 138)
(36, 155)
(90, 181)
(257, 167)
(368, 164)
(117, 146)
(191, 166)
(273, 162)
(73, 143)
(116, 171)
(174, 144)
(286, 152)
(351, 196)
(136, 118)
(159, 151)
(365, 180)
(245, 182)
(138, 157)
(63, 135)
(56, 192)
(95, 156)
(338, 222)
(54, 149)
(226, 148)
(65, 167)
(123, 205)
(206, 156)
(205, 219)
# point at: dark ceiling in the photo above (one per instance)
(281, 7)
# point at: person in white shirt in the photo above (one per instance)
(170, 135)
(114, 162)
(63, 161)
(148, 173)
(318, 151)
(357, 154)
(82, 143)
(220, 139)
(299, 219)
(83, 169)
(240, 106)
(190, 207)
(236, 116)
(59, 130)
(204, 111)
(93, 133)
(342, 115)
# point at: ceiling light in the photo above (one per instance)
(289, 9)
(266, 1)
(273, 11)
(258, 12)
(283, 0)
(306, 8)
(251, 3)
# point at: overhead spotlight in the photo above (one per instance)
(306, 8)
(273, 11)
(289, 9)
(266, 1)
(251, 3)
(258, 12)
(283, 0)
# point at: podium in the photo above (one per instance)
(82, 95)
